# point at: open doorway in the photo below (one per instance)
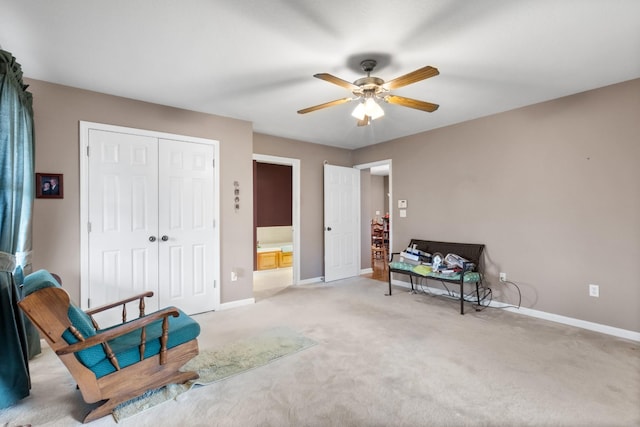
(276, 224)
(376, 208)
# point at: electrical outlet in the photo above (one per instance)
(503, 277)
(594, 291)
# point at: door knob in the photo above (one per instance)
(152, 238)
(165, 238)
(328, 228)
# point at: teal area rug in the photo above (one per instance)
(215, 365)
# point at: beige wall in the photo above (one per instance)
(378, 197)
(56, 233)
(312, 158)
(552, 190)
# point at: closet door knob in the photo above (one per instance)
(165, 238)
(152, 238)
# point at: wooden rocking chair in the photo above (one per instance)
(115, 364)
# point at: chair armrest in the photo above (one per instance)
(118, 303)
(103, 337)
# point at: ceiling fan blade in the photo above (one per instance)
(336, 80)
(412, 77)
(325, 105)
(411, 103)
(365, 121)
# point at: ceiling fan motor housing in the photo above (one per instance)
(368, 85)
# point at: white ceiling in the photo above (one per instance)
(255, 59)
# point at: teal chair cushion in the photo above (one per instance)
(181, 330)
(38, 280)
(89, 356)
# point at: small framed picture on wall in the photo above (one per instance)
(49, 186)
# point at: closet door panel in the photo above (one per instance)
(123, 200)
(186, 224)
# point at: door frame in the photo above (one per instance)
(85, 127)
(295, 205)
(369, 165)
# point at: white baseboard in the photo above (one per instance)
(236, 304)
(310, 281)
(366, 270)
(596, 327)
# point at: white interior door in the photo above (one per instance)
(186, 226)
(123, 206)
(341, 222)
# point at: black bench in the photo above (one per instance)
(469, 251)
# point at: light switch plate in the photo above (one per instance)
(403, 213)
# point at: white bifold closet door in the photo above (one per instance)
(151, 222)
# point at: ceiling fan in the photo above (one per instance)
(368, 89)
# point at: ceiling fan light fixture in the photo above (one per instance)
(359, 111)
(373, 109)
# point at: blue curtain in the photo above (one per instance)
(17, 184)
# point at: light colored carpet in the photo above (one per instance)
(267, 283)
(405, 360)
(216, 365)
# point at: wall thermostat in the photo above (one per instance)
(402, 204)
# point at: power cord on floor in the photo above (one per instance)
(519, 296)
(471, 297)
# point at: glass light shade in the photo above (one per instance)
(359, 113)
(372, 109)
